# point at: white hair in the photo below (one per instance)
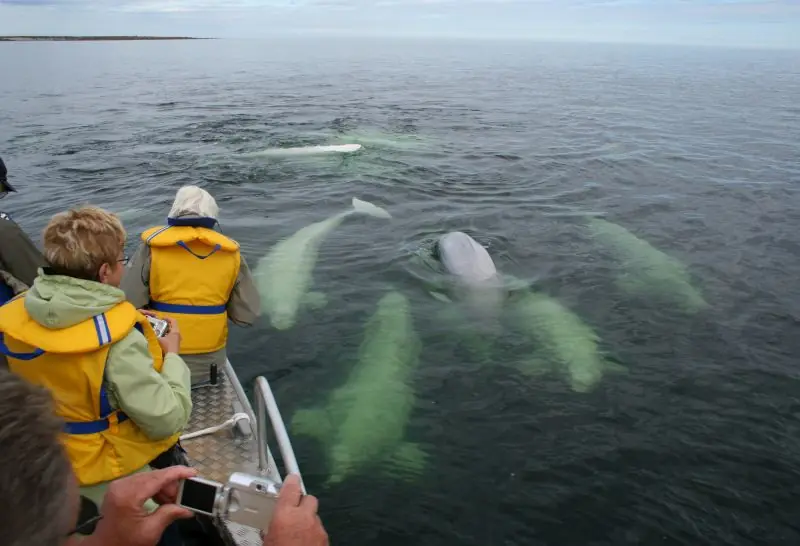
(194, 200)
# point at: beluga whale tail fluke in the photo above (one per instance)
(283, 276)
(364, 420)
(365, 207)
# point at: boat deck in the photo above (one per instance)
(232, 449)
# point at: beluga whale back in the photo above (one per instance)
(283, 276)
(306, 150)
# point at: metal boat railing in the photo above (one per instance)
(266, 406)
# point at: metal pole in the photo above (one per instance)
(284, 443)
(230, 373)
(261, 428)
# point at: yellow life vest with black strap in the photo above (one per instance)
(193, 271)
(102, 443)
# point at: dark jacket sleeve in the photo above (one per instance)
(18, 255)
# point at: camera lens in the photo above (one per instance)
(259, 487)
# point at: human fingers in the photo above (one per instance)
(151, 483)
(290, 493)
(157, 522)
(309, 503)
(173, 324)
(169, 493)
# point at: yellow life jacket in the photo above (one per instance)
(192, 273)
(102, 443)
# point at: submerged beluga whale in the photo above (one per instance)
(364, 420)
(283, 276)
(645, 271)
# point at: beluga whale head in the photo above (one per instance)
(473, 278)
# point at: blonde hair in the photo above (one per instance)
(81, 240)
(194, 200)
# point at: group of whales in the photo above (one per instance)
(364, 420)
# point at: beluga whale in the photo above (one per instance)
(364, 421)
(563, 341)
(645, 271)
(306, 150)
(471, 278)
(283, 276)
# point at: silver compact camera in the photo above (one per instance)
(245, 499)
(160, 326)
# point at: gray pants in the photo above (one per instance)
(200, 365)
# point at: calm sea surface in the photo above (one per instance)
(694, 150)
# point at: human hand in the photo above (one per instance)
(171, 342)
(126, 522)
(295, 521)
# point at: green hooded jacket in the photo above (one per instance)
(159, 403)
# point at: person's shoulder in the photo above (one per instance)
(7, 223)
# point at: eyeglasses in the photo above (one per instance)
(125, 259)
(87, 527)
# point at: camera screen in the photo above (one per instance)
(198, 496)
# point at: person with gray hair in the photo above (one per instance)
(189, 271)
(40, 503)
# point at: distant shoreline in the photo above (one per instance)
(93, 38)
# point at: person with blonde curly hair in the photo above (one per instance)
(123, 392)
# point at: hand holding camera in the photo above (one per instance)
(169, 335)
(289, 517)
(171, 342)
(125, 520)
(295, 521)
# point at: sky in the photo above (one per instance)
(737, 23)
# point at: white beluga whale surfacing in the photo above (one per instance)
(306, 150)
(364, 420)
(473, 278)
(283, 276)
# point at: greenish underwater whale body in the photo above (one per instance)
(646, 271)
(283, 276)
(365, 419)
(564, 339)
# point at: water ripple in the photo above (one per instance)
(694, 151)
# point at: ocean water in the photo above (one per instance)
(694, 150)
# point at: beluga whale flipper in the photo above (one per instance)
(364, 420)
(646, 271)
(283, 276)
